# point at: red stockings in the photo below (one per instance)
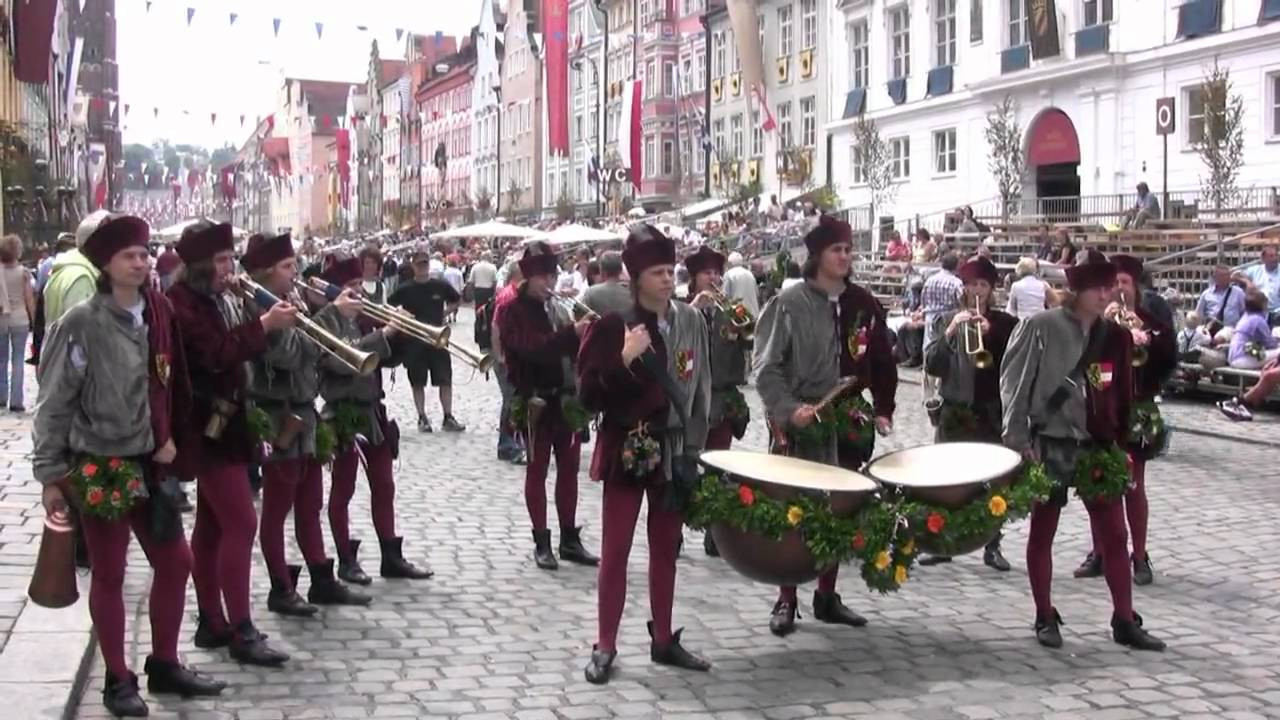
(293, 484)
(1106, 520)
(553, 435)
(382, 493)
(222, 544)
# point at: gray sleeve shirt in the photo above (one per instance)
(1029, 376)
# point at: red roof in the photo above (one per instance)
(390, 70)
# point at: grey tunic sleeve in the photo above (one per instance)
(695, 436)
(1018, 375)
(60, 376)
(938, 356)
(772, 357)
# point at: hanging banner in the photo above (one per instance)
(98, 173)
(629, 136)
(746, 31)
(1042, 21)
(555, 30)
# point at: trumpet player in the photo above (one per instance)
(540, 343)
(285, 384)
(348, 393)
(1159, 356)
(428, 298)
(218, 342)
(968, 345)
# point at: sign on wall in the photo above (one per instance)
(1165, 118)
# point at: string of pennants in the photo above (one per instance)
(276, 22)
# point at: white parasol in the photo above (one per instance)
(491, 229)
(575, 233)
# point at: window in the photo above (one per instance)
(900, 157)
(1097, 12)
(651, 79)
(784, 31)
(900, 41)
(944, 33)
(808, 24)
(735, 128)
(650, 148)
(1195, 114)
(1018, 33)
(717, 134)
(944, 151)
(733, 51)
(1274, 82)
(686, 75)
(668, 158)
(808, 121)
(856, 173)
(859, 56)
(700, 67)
(668, 79)
(718, 47)
(760, 28)
(757, 134)
(784, 124)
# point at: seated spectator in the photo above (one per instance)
(1222, 303)
(1044, 246)
(1146, 208)
(1265, 278)
(1066, 250)
(1241, 408)
(1252, 344)
(926, 250)
(1194, 336)
(898, 250)
(1029, 294)
(910, 347)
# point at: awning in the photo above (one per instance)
(1052, 140)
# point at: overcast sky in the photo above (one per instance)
(213, 66)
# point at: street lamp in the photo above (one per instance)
(497, 192)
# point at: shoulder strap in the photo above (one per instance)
(1092, 349)
(658, 366)
(1222, 307)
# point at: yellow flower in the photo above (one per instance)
(794, 515)
(900, 574)
(997, 506)
(909, 549)
(883, 560)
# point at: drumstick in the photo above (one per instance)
(842, 385)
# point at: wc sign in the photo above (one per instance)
(1165, 123)
(614, 176)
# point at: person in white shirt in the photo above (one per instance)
(484, 279)
(453, 275)
(435, 268)
(573, 283)
(740, 284)
(1029, 294)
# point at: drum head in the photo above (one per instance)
(945, 464)
(786, 471)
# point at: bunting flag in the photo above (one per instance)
(155, 112)
(746, 30)
(555, 29)
(275, 22)
(213, 118)
(327, 121)
(399, 34)
(241, 121)
(111, 109)
(126, 109)
(362, 28)
(148, 5)
(319, 31)
(233, 18)
(190, 14)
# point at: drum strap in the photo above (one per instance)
(1092, 349)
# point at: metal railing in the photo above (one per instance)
(1111, 209)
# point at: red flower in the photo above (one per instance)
(135, 485)
(1097, 473)
(853, 435)
(745, 496)
(859, 541)
(935, 523)
(94, 496)
(116, 497)
(114, 463)
(89, 469)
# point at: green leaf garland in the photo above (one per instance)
(326, 441)
(1102, 474)
(949, 530)
(260, 424)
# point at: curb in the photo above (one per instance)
(81, 678)
(47, 661)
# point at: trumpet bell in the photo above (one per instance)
(982, 359)
(1140, 356)
(481, 361)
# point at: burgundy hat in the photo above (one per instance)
(704, 259)
(114, 235)
(204, 243)
(979, 268)
(1129, 265)
(167, 262)
(1092, 270)
(538, 259)
(342, 272)
(646, 247)
(264, 252)
(828, 232)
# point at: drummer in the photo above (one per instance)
(807, 338)
(970, 394)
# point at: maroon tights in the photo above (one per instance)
(1135, 509)
(286, 485)
(826, 586)
(382, 492)
(720, 437)
(1106, 520)
(553, 435)
(621, 509)
(222, 544)
(108, 544)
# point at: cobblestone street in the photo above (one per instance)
(491, 636)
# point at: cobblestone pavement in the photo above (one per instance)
(493, 637)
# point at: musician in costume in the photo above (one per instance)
(808, 338)
(539, 340)
(1161, 351)
(285, 384)
(970, 395)
(729, 343)
(646, 371)
(365, 435)
(112, 379)
(216, 446)
(1067, 389)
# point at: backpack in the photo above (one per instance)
(484, 325)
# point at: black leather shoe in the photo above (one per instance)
(1130, 634)
(709, 545)
(928, 560)
(1090, 568)
(1142, 573)
(519, 457)
(674, 654)
(395, 567)
(1047, 630)
(250, 647)
(171, 677)
(209, 639)
(829, 609)
(572, 550)
(994, 559)
(349, 569)
(542, 554)
(120, 696)
(601, 666)
(284, 599)
(327, 590)
(782, 619)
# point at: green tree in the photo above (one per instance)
(1005, 159)
(1221, 146)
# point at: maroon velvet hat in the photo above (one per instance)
(828, 232)
(264, 252)
(979, 268)
(342, 272)
(204, 242)
(114, 235)
(646, 247)
(539, 259)
(167, 262)
(1129, 265)
(704, 259)
(1092, 270)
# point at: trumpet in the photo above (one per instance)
(360, 361)
(437, 337)
(739, 314)
(576, 309)
(974, 345)
(1129, 320)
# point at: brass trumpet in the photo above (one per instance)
(1129, 320)
(739, 314)
(437, 337)
(358, 360)
(576, 309)
(974, 345)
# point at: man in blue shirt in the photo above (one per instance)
(1222, 303)
(1146, 208)
(1265, 278)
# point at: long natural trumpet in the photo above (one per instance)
(974, 345)
(360, 361)
(576, 309)
(1129, 320)
(739, 314)
(437, 337)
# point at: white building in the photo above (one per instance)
(484, 104)
(1088, 113)
(394, 104)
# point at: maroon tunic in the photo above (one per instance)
(170, 388)
(875, 368)
(1109, 406)
(1162, 357)
(534, 350)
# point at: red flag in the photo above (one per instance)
(629, 134)
(555, 31)
(327, 120)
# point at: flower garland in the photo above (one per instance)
(108, 486)
(1102, 474)
(641, 454)
(949, 530)
(854, 421)
(518, 413)
(876, 535)
(574, 414)
(958, 421)
(735, 405)
(259, 422)
(1146, 424)
(326, 441)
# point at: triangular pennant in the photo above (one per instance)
(213, 118)
(155, 112)
(148, 5)
(190, 14)
(319, 31)
(233, 18)
(111, 109)
(241, 121)
(275, 22)
(126, 109)
(399, 34)
(327, 120)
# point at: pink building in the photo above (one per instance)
(444, 104)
